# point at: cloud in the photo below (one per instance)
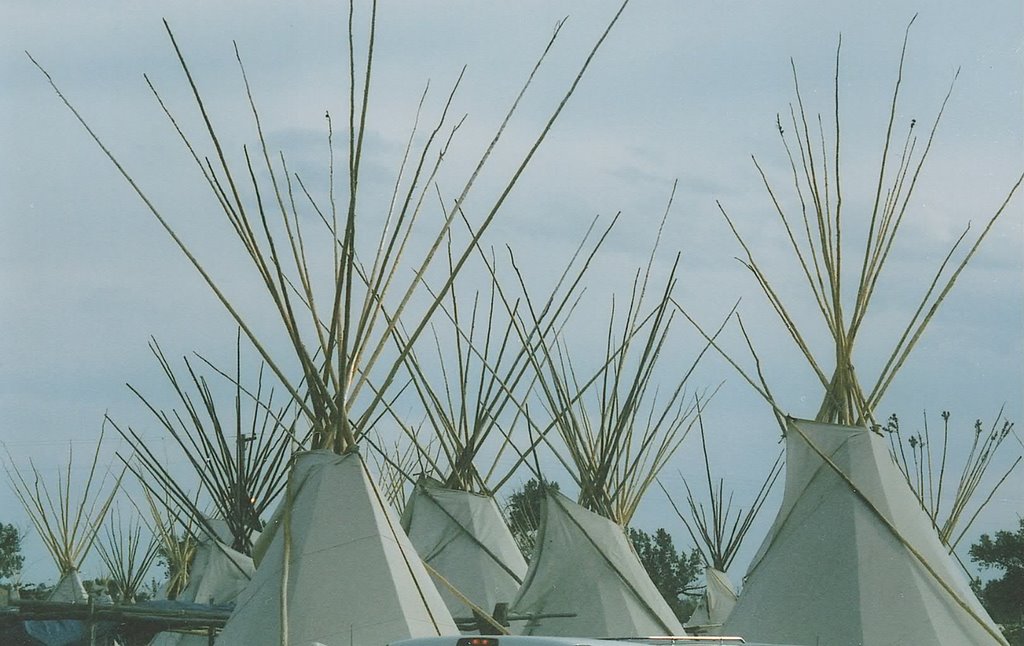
(683, 91)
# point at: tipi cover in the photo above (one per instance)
(69, 589)
(852, 558)
(715, 605)
(61, 632)
(464, 537)
(585, 564)
(218, 574)
(353, 578)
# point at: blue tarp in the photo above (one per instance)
(73, 632)
(66, 632)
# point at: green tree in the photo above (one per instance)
(1004, 597)
(10, 551)
(522, 511)
(674, 574)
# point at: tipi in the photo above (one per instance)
(128, 553)
(585, 579)
(451, 516)
(67, 524)
(852, 558)
(337, 568)
(238, 460)
(715, 605)
(340, 325)
(583, 564)
(718, 529)
(217, 576)
(463, 537)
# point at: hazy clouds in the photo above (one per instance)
(682, 91)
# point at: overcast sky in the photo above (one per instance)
(681, 90)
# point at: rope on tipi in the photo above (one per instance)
(896, 533)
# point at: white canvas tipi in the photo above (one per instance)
(337, 568)
(218, 574)
(718, 529)
(852, 558)
(67, 519)
(60, 632)
(69, 589)
(584, 564)
(464, 537)
(715, 605)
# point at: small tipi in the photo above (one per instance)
(217, 576)
(585, 578)
(451, 516)
(718, 529)
(715, 605)
(67, 523)
(463, 536)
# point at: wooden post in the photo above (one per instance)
(90, 622)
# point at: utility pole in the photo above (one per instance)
(241, 494)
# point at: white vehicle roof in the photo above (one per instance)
(521, 640)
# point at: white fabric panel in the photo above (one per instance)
(218, 574)
(353, 578)
(585, 564)
(715, 605)
(831, 572)
(464, 537)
